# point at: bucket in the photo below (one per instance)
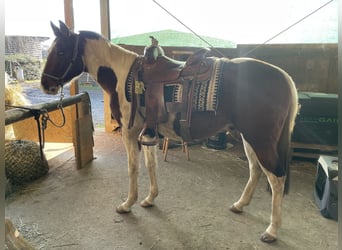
(218, 141)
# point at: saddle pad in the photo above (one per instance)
(204, 94)
(205, 91)
(129, 86)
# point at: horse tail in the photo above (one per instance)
(284, 144)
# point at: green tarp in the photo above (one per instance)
(173, 38)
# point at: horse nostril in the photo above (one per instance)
(53, 90)
(50, 90)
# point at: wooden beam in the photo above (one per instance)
(110, 124)
(18, 114)
(82, 127)
(105, 18)
(69, 21)
(69, 14)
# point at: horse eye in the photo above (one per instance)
(60, 53)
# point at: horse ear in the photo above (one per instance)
(64, 29)
(55, 29)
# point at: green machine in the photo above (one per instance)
(316, 122)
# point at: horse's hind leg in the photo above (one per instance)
(151, 163)
(254, 175)
(277, 186)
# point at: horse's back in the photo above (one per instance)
(252, 87)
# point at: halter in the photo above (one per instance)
(60, 80)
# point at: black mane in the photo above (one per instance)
(90, 35)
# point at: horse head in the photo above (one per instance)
(64, 61)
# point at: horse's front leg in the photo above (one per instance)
(151, 163)
(133, 155)
(277, 186)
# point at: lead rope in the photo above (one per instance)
(46, 118)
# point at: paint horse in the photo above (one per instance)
(257, 98)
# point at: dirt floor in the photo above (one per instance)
(75, 209)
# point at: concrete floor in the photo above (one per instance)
(75, 209)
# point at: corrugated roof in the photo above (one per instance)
(28, 45)
(173, 38)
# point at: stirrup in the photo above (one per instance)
(153, 142)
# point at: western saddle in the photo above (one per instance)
(157, 71)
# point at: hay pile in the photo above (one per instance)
(23, 162)
(13, 97)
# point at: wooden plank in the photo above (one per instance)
(83, 109)
(321, 147)
(110, 123)
(74, 114)
(107, 113)
(18, 114)
(312, 151)
(83, 133)
(313, 67)
(28, 130)
(306, 155)
(84, 141)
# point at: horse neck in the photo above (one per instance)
(101, 53)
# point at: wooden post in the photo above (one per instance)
(84, 135)
(69, 14)
(69, 21)
(110, 124)
(74, 90)
(105, 18)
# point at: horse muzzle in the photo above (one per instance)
(50, 87)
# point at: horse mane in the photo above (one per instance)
(96, 36)
(91, 35)
(85, 34)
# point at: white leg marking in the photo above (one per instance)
(151, 163)
(277, 185)
(133, 155)
(254, 174)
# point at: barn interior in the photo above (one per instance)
(71, 204)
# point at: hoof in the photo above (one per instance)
(235, 210)
(145, 204)
(267, 238)
(121, 210)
